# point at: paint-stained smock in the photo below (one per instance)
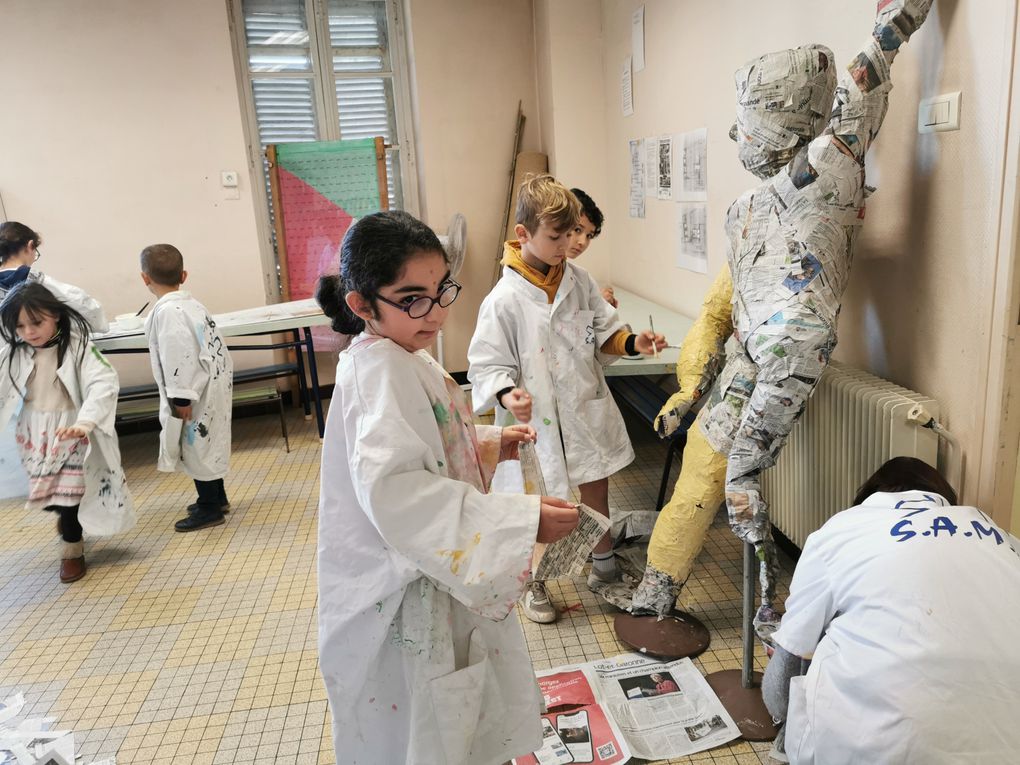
(91, 384)
(419, 570)
(77, 298)
(909, 609)
(190, 361)
(552, 351)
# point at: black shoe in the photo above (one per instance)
(200, 519)
(194, 508)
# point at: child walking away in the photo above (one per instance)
(542, 336)
(195, 376)
(419, 566)
(68, 397)
(19, 250)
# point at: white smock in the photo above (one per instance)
(423, 658)
(92, 385)
(909, 609)
(75, 297)
(552, 351)
(190, 360)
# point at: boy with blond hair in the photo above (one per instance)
(537, 355)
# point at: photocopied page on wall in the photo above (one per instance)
(651, 166)
(627, 88)
(630, 705)
(637, 179)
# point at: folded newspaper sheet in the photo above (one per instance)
(567, 556)
(31, 742)
(609, 710)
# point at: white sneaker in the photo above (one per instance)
(536, 604)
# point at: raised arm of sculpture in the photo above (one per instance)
(790, 243)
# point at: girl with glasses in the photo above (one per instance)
(419, 566)
(19, 250)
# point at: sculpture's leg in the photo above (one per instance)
(791, 358)
(680, 530)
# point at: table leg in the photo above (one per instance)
(302, 385)
(314, 373)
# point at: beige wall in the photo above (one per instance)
(473, 61)
(568, 38)
(117, 122)
(917, 311)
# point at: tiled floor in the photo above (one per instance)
(201, 648)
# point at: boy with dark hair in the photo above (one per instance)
(195, 376)
(588, 226)
(545, 332)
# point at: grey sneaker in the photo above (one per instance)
(536, 604)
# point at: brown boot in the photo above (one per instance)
(72, 563)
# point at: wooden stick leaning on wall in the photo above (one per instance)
(380, 168)
(286, 356)
(281, 242)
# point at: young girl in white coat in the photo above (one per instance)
(419, 567)
(68, 397)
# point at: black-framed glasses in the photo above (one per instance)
(419, 307)
(38, 253)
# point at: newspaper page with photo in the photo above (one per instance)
(631, 705)
(663, 709)
(575, 727)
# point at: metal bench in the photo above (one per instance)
(242, 396)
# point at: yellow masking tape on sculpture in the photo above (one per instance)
(701, 353)
(680, 531)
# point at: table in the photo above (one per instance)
(635, 310)
(263, 320)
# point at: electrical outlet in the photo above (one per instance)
(228, 179)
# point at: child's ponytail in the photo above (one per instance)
(331, 296)
(372, 255)
(14, 237)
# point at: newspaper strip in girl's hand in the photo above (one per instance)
(568, 556)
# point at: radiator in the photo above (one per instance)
(854, 422)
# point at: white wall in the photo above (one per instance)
(568, 38)
(473, 61)
(917, 311)
(118, 117)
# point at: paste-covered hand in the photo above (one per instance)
(511, 438)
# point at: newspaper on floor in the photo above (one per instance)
(31, 742)
(575, 726)
(653, 710)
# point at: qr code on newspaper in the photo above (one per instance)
(607, 751)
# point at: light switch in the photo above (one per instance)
(939, 113)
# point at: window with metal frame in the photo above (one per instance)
(323, 70)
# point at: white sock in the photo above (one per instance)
(604, 564)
